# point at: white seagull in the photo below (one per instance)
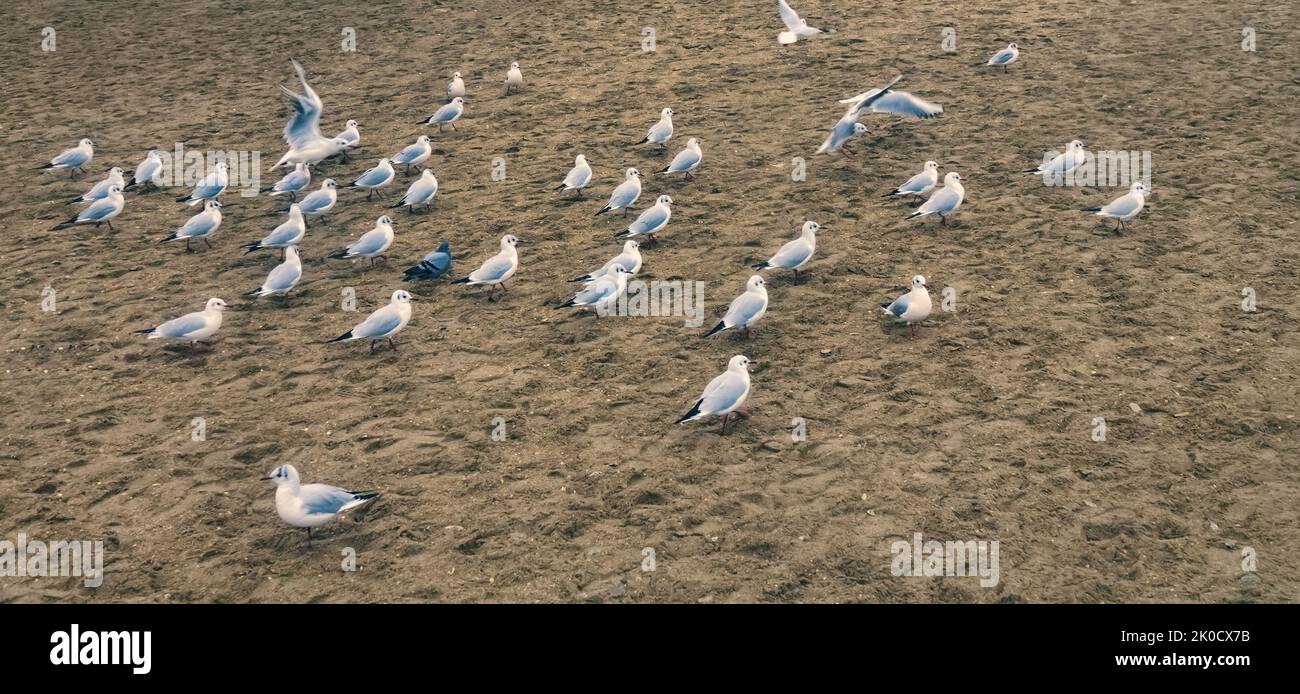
(514, 78)
(74, 159)
(293, 182)
(919, 185)
(210, 186)
(193, 328)
(660, 132)
(456, 87)
(725, 394)
(625, 194)
(496, 270)
(302, 132)
(1125, 207)
(351, 136)
(321, 200)
(100, 189)
(629, 260)
(578, 177)
(289, 233)
(420, 192)
(912, 307)
(652, 220)
(148, 173)
(372, 244)
(201, 226)
(447, 114)
(794, 254)
(311, 505)
(686, 160)
(846, 127)
(374, 179)
(600, 294)
(795, 26)
(1006, 56)
(746, 309)
(892, 101)
(1072, 158)
(282, 278)
(383, 324)
(943, 201)
(101, 211)
(414, 154)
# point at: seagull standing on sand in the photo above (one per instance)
(456, 87)
(578, 177)
(100, 189)
(293, 182)
(194, 328)
(514, 78)
(629, 260)
(795, 26)
(101, 211)
(919, 185)
(746, 309)
(414, 154)
(321, 200)
(351, 136)
(625, 194)
(372, 244)
(312, 505)
(289, 233)
(282, 278)
(660, 132)
(210, 186)
(434, 265)
(1074, 156)
(794, 254)
(496, 270)
(1125, 207)
(724, 395)
(201, 226)
(686, 160)
(912, 307)
(600, 294)
(74, 159)
(447, 114)
(148, 172)
(383, 324)
(420, 192)
(302, 132)
(1006, 56)
(374, 179)
(943, 201)
(652, 220)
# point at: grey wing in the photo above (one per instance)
(495, 268)
(438, 259)
(577, 177)
(595, 293)
(71, 157)
(659, 130)
(743, 309)
(899, 306)
(293, 182)
(623, 195)
(198, 225)
(284, 277)
(313, 202)
(941, 201)
(411, 152)
(684, 160)
(322, 498)
(1002, 56)
(1120, 207)
(788, 15)
(370, 242)
(905, 104)
(791, 254)
(649, 220)
(97, 211)
(304, 125)
(842, 131)
(418, 191)
(371, 177)
(915, 184)
(180, 327)
(379, 323)
(723, 393)
(444, 112)
(280, 234)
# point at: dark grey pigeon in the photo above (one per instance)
(434, 265)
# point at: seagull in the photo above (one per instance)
(289, 233)
(194, 328)
(514, 78)
(200, 226)
(746, 309)
(1125, 207)
(795, 26)
(321, 200)
(725, 394)
(1060, 165)
(600, 294)
(101, 211)
(100, 190)
(209, 187)
(496, 270)
(686, 160)
(148, 172)
(629, 260)
(74, 159)
(447, 114)
(351, 135)
(895, 102)
(845, 128)
(374, 179)
(293, 182)
(302, 132)
(662, 131)
(651, 220)
(794, 254)
(434, 265)
(420, 192)
(1006, 56)
(912, 307)
(282, 278)
(456, 87)
(943, 201)
(578, 177)
(383, 323)
(625, 194)
(414, 154)
(919, 185)
(311, 505)
(372, 244)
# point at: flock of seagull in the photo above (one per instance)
(311, 505)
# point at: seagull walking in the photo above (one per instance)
(601, 294)
(1062, 164)
(943, 201)
(794, 254)
(660, 132)
(686, 160)
(383, 324)
(456, 87)
(1125, 207)
(289, 233)
(372, 244)
(625, 194)
(321, 200)
(724, 395)
(194, 328)
(201, 226)
(514, 78)
(101, 211)
(912, 307)
(919, 185)
(447, 114)
(496, 270)
(376, 178)
(100, 189)
(74, 159)
(282, 278)
(414, 154)
(629, 260)
(420, 192)
(293, 182)
(148, 173)
(650, 221)
(578, 177)
(209, 187)
(309, 506)
(1006, 56)
(746, 309)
